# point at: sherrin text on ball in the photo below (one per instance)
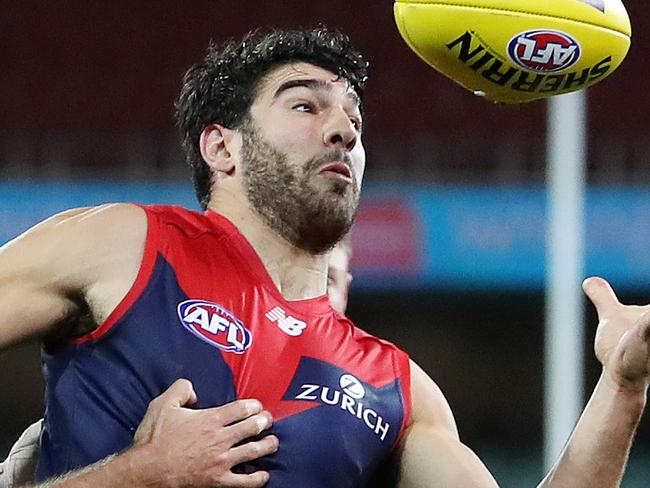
(518, 50)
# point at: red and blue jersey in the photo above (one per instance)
(203, 307)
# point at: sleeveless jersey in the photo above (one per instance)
(203, 307)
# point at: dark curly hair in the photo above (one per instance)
(221, 89)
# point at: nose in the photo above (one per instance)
(339, 130)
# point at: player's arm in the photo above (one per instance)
(431, 454)
(176, 446)
(598, 449)
(51, 272)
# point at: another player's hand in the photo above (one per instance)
(623, 336)
(198, 448)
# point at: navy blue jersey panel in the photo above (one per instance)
(98, 392)
(349, 424)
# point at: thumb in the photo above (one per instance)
(601, 295)
(179, 394)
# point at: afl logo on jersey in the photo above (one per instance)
(544, 50)
(215, 325)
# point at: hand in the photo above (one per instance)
(623, 337)
(198, 448)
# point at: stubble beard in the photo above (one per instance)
(310, 217)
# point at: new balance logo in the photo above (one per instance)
(288, 325)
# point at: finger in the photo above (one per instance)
(237, 410)
(253, 480)
(601, 295)
(253, 450)
(249, 427)
(179, 394)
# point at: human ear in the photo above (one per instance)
(215, 145)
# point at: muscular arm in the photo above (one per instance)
(79, 257)
(598, 449)
(432, 454)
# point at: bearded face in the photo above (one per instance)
(293, 198)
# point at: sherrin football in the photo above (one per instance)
(517, 50)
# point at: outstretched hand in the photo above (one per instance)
(622, 342)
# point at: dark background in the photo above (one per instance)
(87, 89)
(86, 92)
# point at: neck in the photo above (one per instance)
(296, 273)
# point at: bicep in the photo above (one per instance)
(29, 310)
(46, 273)
(33, 281)
(431, 453)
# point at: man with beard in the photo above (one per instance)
(129, 298)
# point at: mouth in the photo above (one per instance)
(338, 170)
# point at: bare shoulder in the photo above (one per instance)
(78, 259)
(71, 250)
(429, 405)
(86, 223)
(102, 219)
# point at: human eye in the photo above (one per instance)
(305, 107)
(356, 123)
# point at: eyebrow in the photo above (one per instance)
(313, 84)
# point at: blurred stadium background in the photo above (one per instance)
(449, 246)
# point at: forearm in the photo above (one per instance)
(134, 468)
(598, 449)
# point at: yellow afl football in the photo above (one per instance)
(516, 51)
